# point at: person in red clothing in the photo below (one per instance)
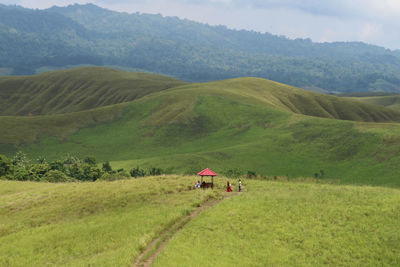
(228, 186)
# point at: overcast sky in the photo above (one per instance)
(371, 21)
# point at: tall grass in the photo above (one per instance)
(293, 224)
(80, 224)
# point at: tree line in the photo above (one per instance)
(69, 169)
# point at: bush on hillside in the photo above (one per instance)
(37, 171)
(6, 166)
(90, 160)
(70, 169)
(55, 176)
(137, 172)
(122, 172)
(20, 160)
(107, 167)
(251, 174)
(155, 171)
(20, 174)
(58, 165)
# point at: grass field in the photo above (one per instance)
(271, 223)
(81, 224)
(293, 224)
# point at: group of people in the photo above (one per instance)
(229, 186)
(197, 184)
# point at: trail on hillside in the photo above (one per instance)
(146, 258)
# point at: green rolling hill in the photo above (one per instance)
(390, 101)
(76, 90)
(249, 124)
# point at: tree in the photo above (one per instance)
(37, 171)
(20, 160)
(137, 172)
(91, 173)
(5, 166)
(90, 160)
(154, 171)
(107, 167)
(55, 176)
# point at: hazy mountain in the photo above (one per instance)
(87, 34)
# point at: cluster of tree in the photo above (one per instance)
(70, 169)
(61, 36)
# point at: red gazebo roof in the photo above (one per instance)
(207, 172)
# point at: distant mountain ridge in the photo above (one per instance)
(87, 34)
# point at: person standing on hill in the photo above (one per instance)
(228, 186)
(240, 185)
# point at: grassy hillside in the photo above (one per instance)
(392, 101)
(76, 224)
(76, 90)
(249, 124)
(270, 223)
(19, 130)
(293, 224)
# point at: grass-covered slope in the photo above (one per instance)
(250, 124)
(391, 101)
(18, 130)
(293, 224)
(80, 224)
(270, 223)
(292, 99)
(76, 90)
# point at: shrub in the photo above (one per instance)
(90, 160)
(137, 172)
(107, 167)
(55, 176)
(155, 171)
(69, 160)
(251, 174)
(20, 174)
(41, 160)
(91, 173)
(122, 172)
(5, 166)
(37, 171)
(57, 165)
(20, 160)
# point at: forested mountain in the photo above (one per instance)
(87, 34)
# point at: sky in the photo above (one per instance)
(370, 21)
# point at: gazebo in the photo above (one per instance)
(207, 172)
